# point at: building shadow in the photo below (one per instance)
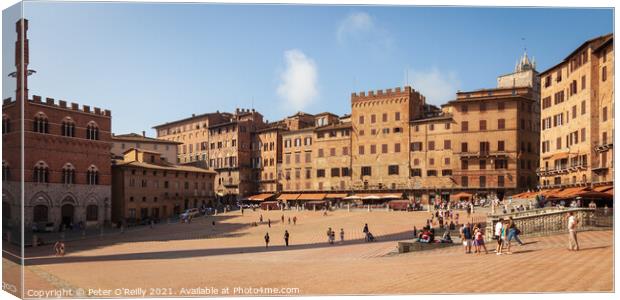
(181, 254)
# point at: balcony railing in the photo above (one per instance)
(465, 155)
(602, 147)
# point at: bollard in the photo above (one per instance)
(348, 207)
(387, 208)
(313, 207)
(35, 240)
(368, 207)
(215, 212)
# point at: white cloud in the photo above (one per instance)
(361, 28)
(299, 81)
(438, 87)
(355, 24)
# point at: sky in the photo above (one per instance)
(154, 63)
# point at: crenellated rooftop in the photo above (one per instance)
(62, 104)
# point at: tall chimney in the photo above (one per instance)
(21, 59)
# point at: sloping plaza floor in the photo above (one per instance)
(233, 254)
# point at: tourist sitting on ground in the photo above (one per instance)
(426, 237)
(370, 237)
(446, 238)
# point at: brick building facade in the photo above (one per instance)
(146, 187)
(577, 117)
(66, 162)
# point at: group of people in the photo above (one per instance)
(473, 235)
(441, 217)
(505, 231)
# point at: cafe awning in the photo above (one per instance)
(603, 188)
(336, 196)
(308, 197)
(461, 195)
(375, 196)
(288, 197)
(260, 197)
(556, 156)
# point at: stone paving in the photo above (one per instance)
(233, 254)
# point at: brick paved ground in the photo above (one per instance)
(233, 255)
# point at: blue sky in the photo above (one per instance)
(153, 63)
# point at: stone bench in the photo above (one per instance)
(415, 246)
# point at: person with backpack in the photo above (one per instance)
(513, 233)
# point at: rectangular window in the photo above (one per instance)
(464, 181)
(384, 148)
(416, 146)
(447, 145)
(501, 106)
(604, 74)
(464, 126)
(605, 114)
(583, 82)
(384, 118)
(397, 116)
(446, 172)
(463, 147)
(361, 119)
(373, 119)
(501, 124)
(431, 173)
(483, 181)
(583, 135)
(431, 145)
(583, 107)
(500, 146)
(346, 172)
(416, 172)
(464, 108)
(464, 165)
(320, 154)
(361, 149)
(483, 125)
(366, 171)
(393, 170)
(320, 173)
(483, 164)
(397, 148)
(373, 149)
(335, 172)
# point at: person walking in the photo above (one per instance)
(513, 233)
(282, 219)
(329, 235)
(260, 219)
(267, 240)
(573, 245)
(294, 220)
(341, 235)
(286, 236)
(289, 220)
(269, 222)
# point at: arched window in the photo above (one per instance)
(6, 124)
(68, 174)
(92, 175)
(6, 171)
(40, 123)
(40, 213)
(68, 127)
(92, 131)
(41, 173)
(92, 212)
